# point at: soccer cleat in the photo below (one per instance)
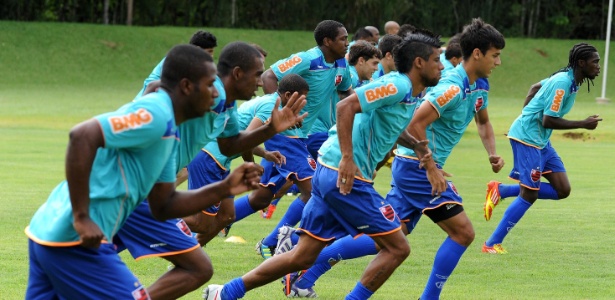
(292, 291)
(268, 212)
(495, 249)
(492, 199)
(224, 232)
(285, 242)
(263, 250)
(213, 292)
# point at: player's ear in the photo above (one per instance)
(237, 72)
(476, 53)
(418, 63)
(185, 86)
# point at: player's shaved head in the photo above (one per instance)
(374, 30)
(391, 27)
(184, 61)
(237, 54)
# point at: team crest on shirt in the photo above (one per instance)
(311, 162)
(183, 227)
(452, 186)
(535, 175)
(388, 212)
(140, 293)
(479, 103)
(129, 121)
(338, 79)
(557, 100)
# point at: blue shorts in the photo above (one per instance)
(411, 191)
(204, 169)
(80, 273)
(315, 141)
(299, 163)
(146, 237)
(330, 215)
(530, 163)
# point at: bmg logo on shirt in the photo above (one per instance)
(448, 95)
(130, 121)
(289, 63)
(557, 100)
(380, 92)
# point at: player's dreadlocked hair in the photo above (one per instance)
(580, 51)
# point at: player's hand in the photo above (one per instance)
(152, 87)
(288, 117)
(276, 157)
(496, 163)
(592, 122)
(244, 178)
(345, 176)
(90, 234)
(436, 178)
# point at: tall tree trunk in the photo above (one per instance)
(106, 12)
(129, 7)
(522, 27)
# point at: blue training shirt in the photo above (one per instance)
(555, 98)
(140, 145)
(387, 106)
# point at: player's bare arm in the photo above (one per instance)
(281, 119)
(85, 139)
(346, 110)
(270, 82)
(166, 202)
(424, 116)
(532, 92)
(590, 123)
(485, 131)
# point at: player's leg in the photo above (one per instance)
(39, 284)
(455, 222)
(208, 224)
(554, 171)
(192, 270)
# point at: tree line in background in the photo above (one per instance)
(580, 19)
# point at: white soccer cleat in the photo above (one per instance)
(285, 242)
(213, 292)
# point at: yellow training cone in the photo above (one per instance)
(235, 239)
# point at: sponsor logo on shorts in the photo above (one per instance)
(289, 64)
(479, 103)
(183, 227)
(338, 79)
(449, 206)
(130, 121)
(140, 293)
(557, 100)
(157, 245)
(448, 95)
(452, 186)
(535, 175)
(388, 212)
(380, 92)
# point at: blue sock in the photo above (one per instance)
(547, 192)
(347, 248)
(509, 190)
(359, 293)
(294, 238)
(290, 218)
(512, 215)
(234, 289)
(243, 208)
(446, 260)
(308, 279)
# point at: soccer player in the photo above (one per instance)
(344, 200)
(375, 32)
(363, 59)
(324, 69)
(387, 63)
(406, 29)
(534, 156)
(211, 166)
(239, 68)
(391, 27)
(113, 162)
(442, 119)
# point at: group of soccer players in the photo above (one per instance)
(330, 118)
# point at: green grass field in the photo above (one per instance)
(55, 75)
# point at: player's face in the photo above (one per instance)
(210, 51)
(204, 92)
(489, 61)
(339, 45)
(592, 66)
(251, 79)
(368, 68)
(432, 71)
